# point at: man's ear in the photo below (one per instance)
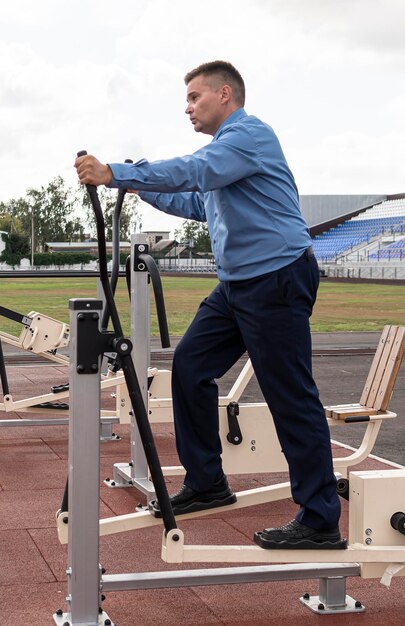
(226, 94)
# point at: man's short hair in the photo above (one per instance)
(226, 72)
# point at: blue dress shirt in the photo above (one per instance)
(241, 185)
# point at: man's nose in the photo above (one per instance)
(188, 109)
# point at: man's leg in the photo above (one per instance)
(273, 314)
(211, 345)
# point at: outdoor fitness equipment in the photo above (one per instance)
(87, 345)
(376, 533)
(249, 440)
(46, 336)
(250, 443)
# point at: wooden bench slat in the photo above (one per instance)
(383, 364)
(337, 407)
(388, 379)
(379, 355)
(361, 411)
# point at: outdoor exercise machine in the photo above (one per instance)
(376, 517)
(249, 441)
(45, 336)
(250, 444)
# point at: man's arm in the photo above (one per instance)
(217, 165)
(222, 162)
(189, 205)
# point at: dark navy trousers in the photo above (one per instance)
(269, 317)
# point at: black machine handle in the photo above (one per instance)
(235, 434)
(398, 522)
(21, 319)
(3, 373)
(152, 269)
(128, 368)
(157, 292)
(159, 299)
(16, 317)
(116, 247)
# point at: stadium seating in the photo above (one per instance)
(395, 250)
(385, 218)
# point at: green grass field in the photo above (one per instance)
(340, 306)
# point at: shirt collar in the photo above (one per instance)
(233, 117)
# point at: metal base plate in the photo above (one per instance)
(317, 606)
(123, 477)
(65, 620)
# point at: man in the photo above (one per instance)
(241, 185)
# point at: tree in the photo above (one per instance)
(17, 248)
(15, 216)
(8, 222)
(52, 212)
(47, 213)
(197, 232)
(60, 213)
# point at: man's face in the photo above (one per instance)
(205, 106)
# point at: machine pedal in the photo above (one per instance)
(61, 406)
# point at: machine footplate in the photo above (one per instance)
(194, 506)
(304, 544)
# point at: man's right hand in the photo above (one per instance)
(91, 172)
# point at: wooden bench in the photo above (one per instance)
(373, 405)
(380, 380)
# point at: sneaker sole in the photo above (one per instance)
(302, 544)
(195, 506)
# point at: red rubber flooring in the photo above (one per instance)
(33, 468)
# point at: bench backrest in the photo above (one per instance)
(384, 368)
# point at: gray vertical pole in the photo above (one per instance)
(84, 481)
(140, 337)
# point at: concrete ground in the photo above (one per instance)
(33, 469)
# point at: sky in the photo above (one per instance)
(327, 75)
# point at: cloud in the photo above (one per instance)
(372, 164)
(371, 25)
(328, 76)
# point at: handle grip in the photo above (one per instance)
(90, 188)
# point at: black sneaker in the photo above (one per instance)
(186, 500)
(298, 536)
